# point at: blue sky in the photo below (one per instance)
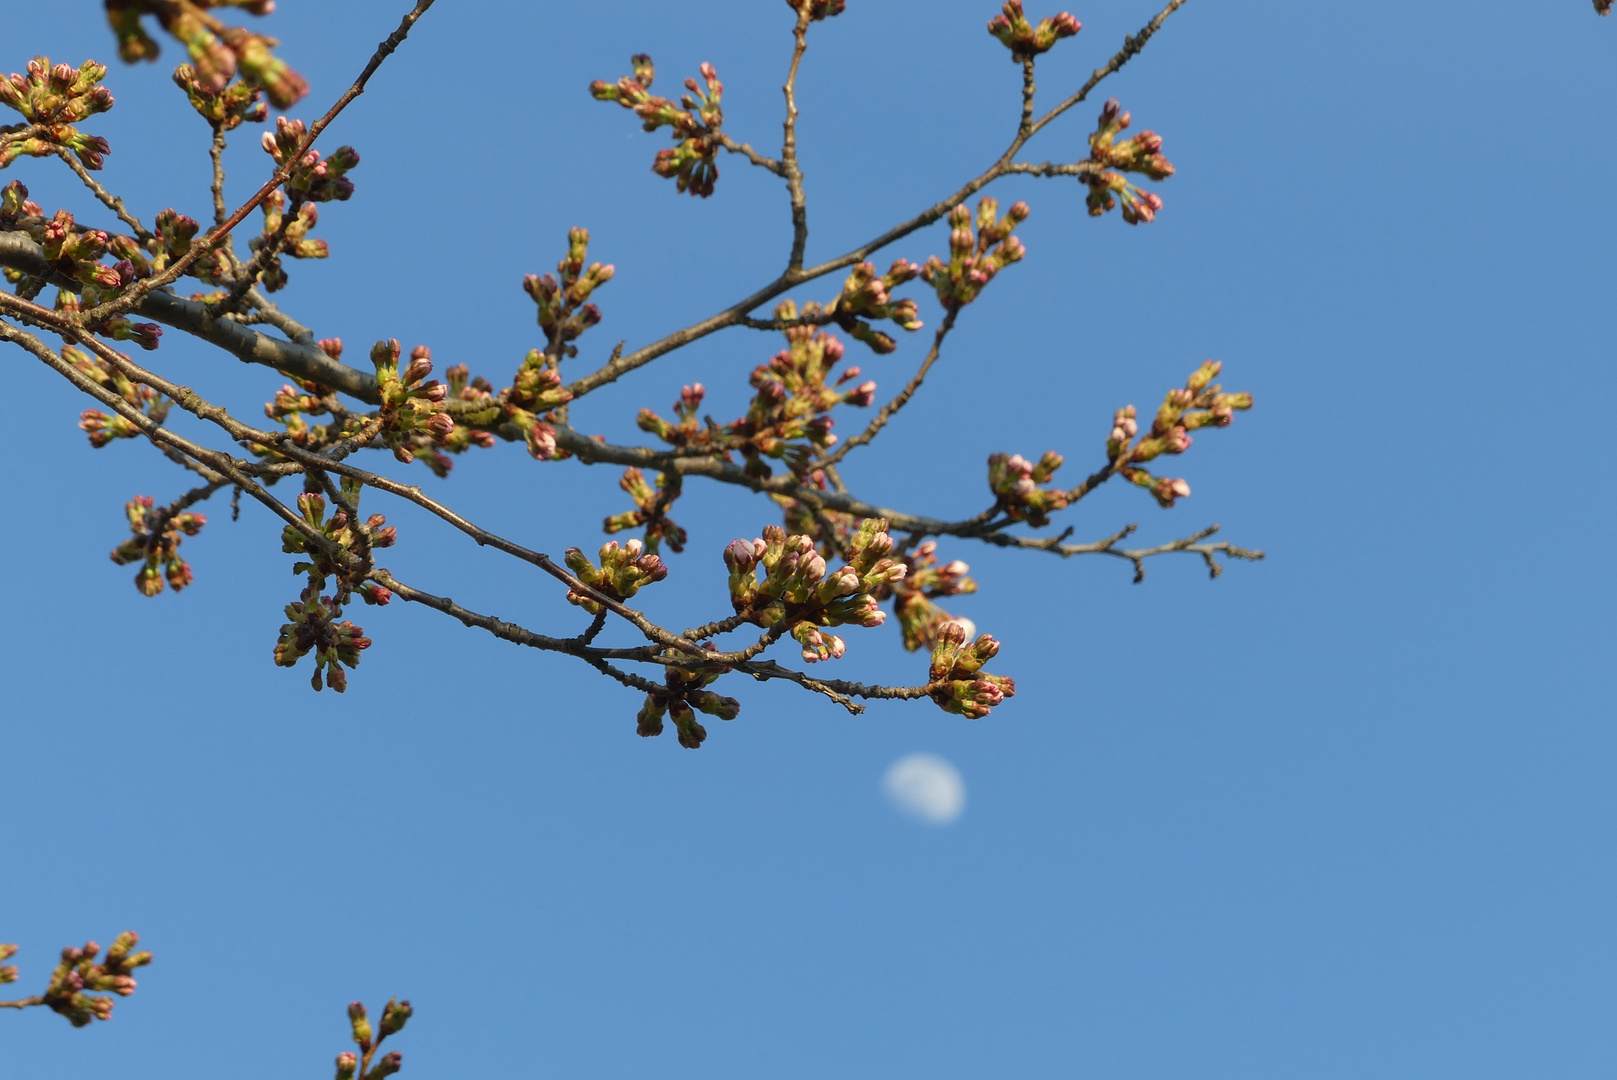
(1343, 813)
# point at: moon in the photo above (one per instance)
(927, 788)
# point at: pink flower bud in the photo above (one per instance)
(863, 395)
(420, 366)
(739, 555)
(441, 425)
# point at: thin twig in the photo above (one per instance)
(107, 198)
(746, 151)
(1025, 127)
(788, 149)
(1137, 556)
(889, 410)
(216, 153)
(23, 1003)
(1076, 168)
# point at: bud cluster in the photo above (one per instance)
(118, 327)
(313, 627)
(476, 396)
(220, 52)
(345, 534)
(175, 234)
(52, 100)
(155, 544)
(1197, 405)
(788, 416)
(796, 590)
(685, 696)
(226, 109)
(291, 404)
(313, 178)
(688, 433)
(867, 295)
(102, 428)
(625, 569)
(651, 510)
(534, 391)
(696, 127)
(957, 680)
(286, 237)
(304, 398)
(564, 311)
(315, 623)
(975, 256)
(919, 619)
(395, 1014)
(1139, 154)
(1015, 480)
(1023, 38)
(79, 978)
(75, 252)
(412, 406)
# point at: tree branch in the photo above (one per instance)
(733, 315)
(1137, 556)
(746, 150)
(788, 149)
(132, 297)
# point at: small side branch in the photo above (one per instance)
(23, 1003)
(1131, 48)
(216, 151)
(746, 151)
(1046, 168)
(107, 198)
(1025, 128)
(889, 410)
(788, 149)
(1137, 556)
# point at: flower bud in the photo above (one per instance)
(361, 1024)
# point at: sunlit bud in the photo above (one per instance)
(649, 721)
(395, 1016)
(691, 733)
(361, 1024)
(390, 1064)
(863, 395)
(420, 366)
(740, 556)
(725, 708)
